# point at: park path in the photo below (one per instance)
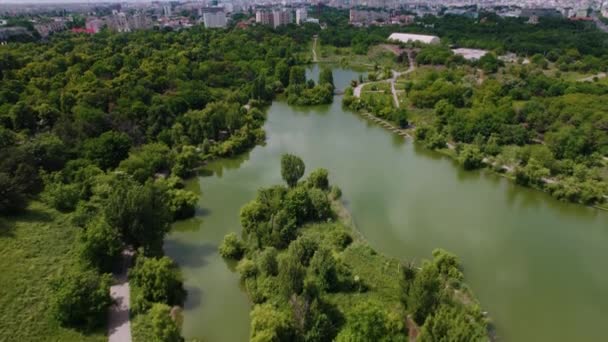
(392, 80)
(314, 49)
(119, 325)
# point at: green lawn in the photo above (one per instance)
(35, 247)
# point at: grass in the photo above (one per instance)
(35, 247)
(377, 86)
(376, 55)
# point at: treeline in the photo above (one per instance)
(106, 126)
(310, 279)
(551, 37)
(304, 92)
(550, 131)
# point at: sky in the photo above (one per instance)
(65, 1)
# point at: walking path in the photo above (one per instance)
(392, 80)
(119, 326)
(314, 49)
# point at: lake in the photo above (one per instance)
(537, 265)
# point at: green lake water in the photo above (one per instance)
(536, 264)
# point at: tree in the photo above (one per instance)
(269, 324)
(452, 324)
(157, 325)
(156, 280)
(318, 179)
(12, 195)
(291, 274)
(297, 76)
(423, 293)
(140, 213)
(369, 322)
(292, 169)
(231, 247)
(326, 77)
(108, 149)
(471, 157)
(81, 298)
(100, 245)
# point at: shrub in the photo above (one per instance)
(247, 269)
(157, 325)
(100, 245)
(231, 247)
(267, 261)
(471, 158)
(81, 299)
(318, 179)
(320, 204)
(157, 280)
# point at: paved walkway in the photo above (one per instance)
(119, 326)
(392, 80)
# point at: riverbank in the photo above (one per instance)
(507, 171)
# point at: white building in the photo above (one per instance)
(470, 54)
(301, 16)
(214, 19)
(408, 37)
(2, 22)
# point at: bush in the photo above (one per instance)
(267, 261)
(62, 197)
(318, 179)
(157, 325)
(156, 280)
(247, 269)
(232, 247)
(341, 239)
(182, 203)
(320, 204)
(82, 298)
(471, 158)
(100, 245)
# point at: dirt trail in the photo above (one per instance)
(119, 326)
(314, 49)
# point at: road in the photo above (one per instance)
(119, 325)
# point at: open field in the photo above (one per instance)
(35, 247)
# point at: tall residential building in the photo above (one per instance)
(301, 15)
(167, 10)
(281, 17)
(264, 17)
(214, 19)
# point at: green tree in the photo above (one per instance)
(231, 247)
(140, 213)
(326, 77)
(423, 293)
(369, 322)
(156, 280)
(81, 298)
(108, 149)
(269, 324)
(471, 157)
(297, 76)
(452, 324)
(100, 245)
(157, 325)
(292, 169)
(318, 179)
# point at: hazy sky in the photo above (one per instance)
(65, 1)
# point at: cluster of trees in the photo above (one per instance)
(106, 126)
(380, 106)
(291, 275)
(304, 92)
(100, 97)
(558, 131)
